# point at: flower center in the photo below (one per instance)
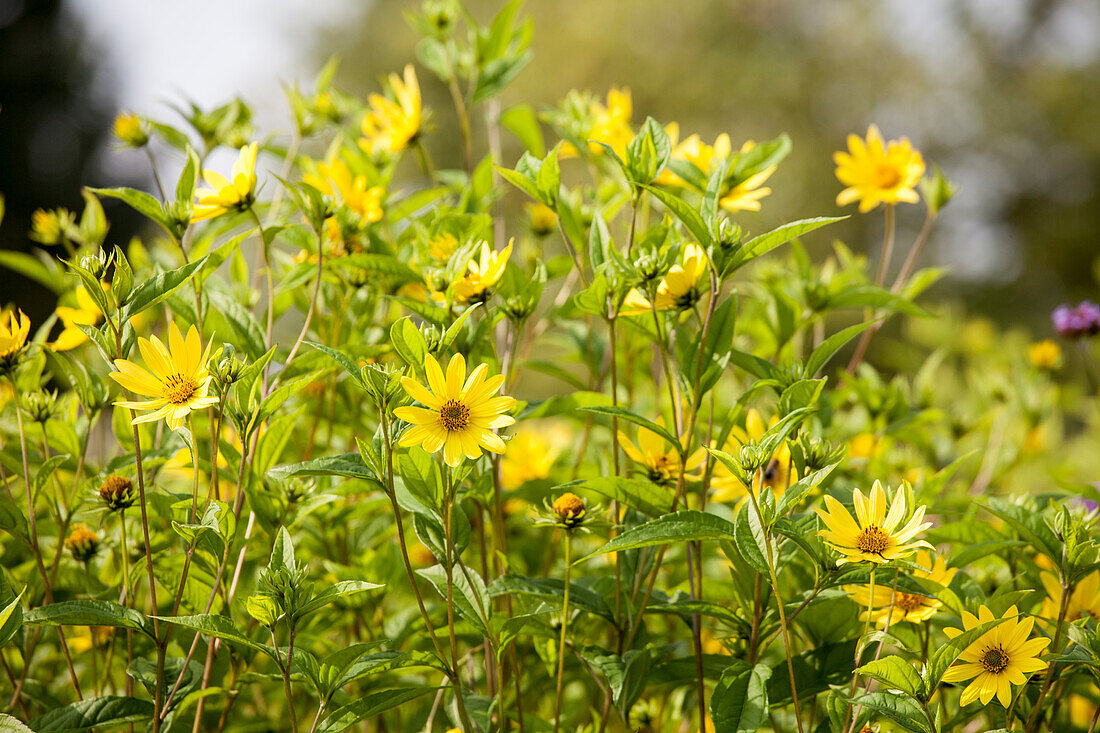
(454, 416)
(179, 389)
(771, 472)
(872, 540)
(886, 176)
(994, 660)
(909, 601)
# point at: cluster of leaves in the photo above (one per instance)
(265, 569)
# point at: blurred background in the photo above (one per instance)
(1004, 95)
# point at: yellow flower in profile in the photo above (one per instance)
(391, 125)
(778, 474)
(531, 454)
(876, 534)
(1000, 658)
(692, 150)
(459, 414)
(225, 194)
(85, 638)
(660, 460)
(611, 123)
(543, 218)
(179, 380)
(49, 227)
(876, 172)
(336, 179)
(911, 607)
(1045, 354)
(678, 288)
(86, 313)
(1084, 600)
(129, 129)
(482, 273)
(745, 195)
(13, 336)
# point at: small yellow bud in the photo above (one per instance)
(543, 219)
(1045, 354)
(130, 130)
(83, 543)
(570, 509)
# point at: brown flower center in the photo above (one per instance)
(454, 416)
(872, 540)
(994, 659)
(179, 389)
(886, 176)
(772, 472)
(909, 601)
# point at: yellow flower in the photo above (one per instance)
(225, 194)
(678, 288)
(660, 460)
(611, 124)
(543, 218)
(778, 474)
(911, 607)
(336, 179)
(692, 150)
(746, 195)
(483, 273)
(129, 129)
(86, 313)
(1084, 601)
(13, 336)
(863, 445)
(49, 227)
(1045, 354)
(82, 542)
(85, 638)
(1034, 439)
(876, 172)
(179, 380)
(1000, 658)
(531, 454)
(459, 414)
(390, 126)
(876, 535)
(442, 246)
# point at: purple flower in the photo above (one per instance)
(1083, 320)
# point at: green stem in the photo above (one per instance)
(564, 629)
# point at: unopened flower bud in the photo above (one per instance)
(569, 509)
(129, 129)
(83, 543)
(117, 493)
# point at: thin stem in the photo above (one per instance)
(463, 124)
(564, 629)
(449, 560)
(880, 277)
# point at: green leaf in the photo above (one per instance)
(552, 589)
(154, 290)
(897, 674)
(522, 122)
(821, 355)
(370, 706)
(683, 211)
(873, 296)
(409, 343)
(342, 589)
(348, 465)
(625, 414)
(750, 539)
(342, 359)
(469, 597)
(11, 617)
(808, 483)
(739, 703)
(94, 712)
(32, 268)
(686, 525)
(897, 708)
(140, 202)
(221, 627)
(520, 181)
(639, 494)
(761, 245)
(185, 188)
(89, 613)
(284, 392)
(549, 178)
(8, 724)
